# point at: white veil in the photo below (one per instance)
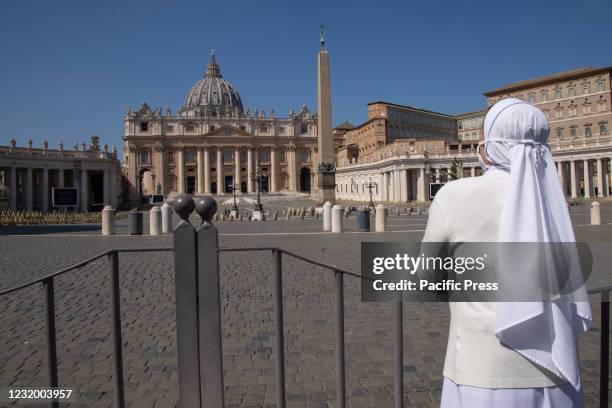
(515, 136)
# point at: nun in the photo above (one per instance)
(506, 355)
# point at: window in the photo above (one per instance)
(243, 156)
(573, 132)
(263, 128)
(305, 156)
(144, 156)
(228, 155)
(264, 155)
(144, 126)
(170, 157)
(460, 124)
(558, 93)
(586, 88)
(243, 128)
(212, 128)
(544, 96)
(189, 127)
(546, 113)
(303, 128)
(190, 155)
(170, 128)
(559, 113)
(603, 129)
(559, 133)
(530, 98)
(600, 85)
(571, 91)
(601, 106)
(586, 109)
(282, 130)
(283, 156)
(587, 131)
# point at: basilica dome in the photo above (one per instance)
(212, 95)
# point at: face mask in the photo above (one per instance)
(483, 165)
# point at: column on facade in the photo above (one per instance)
(13, 188)
(29, 190)
(421, 186)
(403, 185)
(587, 178)
(292, 163)
(159, 169)
(237, 168)
(600, 177)
(573, 186)
(383, 187)
(180, 185)
(84, 191)
(219, 170)
(274, 170)
(114, 193)
(200, 171)
(132, 172)
(250, 170)
(472, 171)
(206, 171)
(45, 189)
(561, 177)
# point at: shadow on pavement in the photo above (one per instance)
(48, 229)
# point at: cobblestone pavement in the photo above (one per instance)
(147, 296)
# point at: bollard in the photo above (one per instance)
(166, 218)
(155, 221)
(336, 218)
(135, 223)
(327, 207)
(108, 221)
(595, 213)
(381, 218)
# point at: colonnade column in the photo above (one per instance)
(84, 191)
(60, 178)
(573, 186)
(587, 178)
(200, 171)
(472, 171)
(29, 190)
(180, 188)
(600, 177)
(106, 187)
(561, 178)
(237, 168)
(421, 187)
(273, 170)
(13, 188)
(45, 189)
(219, 170)
(383, 187)
(206, 171)
(403, 185)
(250, 170)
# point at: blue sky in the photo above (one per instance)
(70, 68)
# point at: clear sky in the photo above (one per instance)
(70, 68)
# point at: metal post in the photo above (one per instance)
(604, 350)
(280, 329)
(186, 284)
(399, 354)
(209, 312)
(51, 346)
(116, 331)
(340, 365)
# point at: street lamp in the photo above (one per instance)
(257, 179)
(235, 207)
(370, 186)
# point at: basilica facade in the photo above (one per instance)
(213, 145)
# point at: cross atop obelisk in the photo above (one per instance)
(326, 171)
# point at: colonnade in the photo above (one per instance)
(33, 191)
(585, 177)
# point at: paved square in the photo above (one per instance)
(147, 296)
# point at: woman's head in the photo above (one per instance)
(507, 123)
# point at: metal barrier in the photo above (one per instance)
(198, 316)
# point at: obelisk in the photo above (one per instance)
(326, 170)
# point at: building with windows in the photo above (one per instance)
(213, 145)
(401, 153)
(29, 174)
